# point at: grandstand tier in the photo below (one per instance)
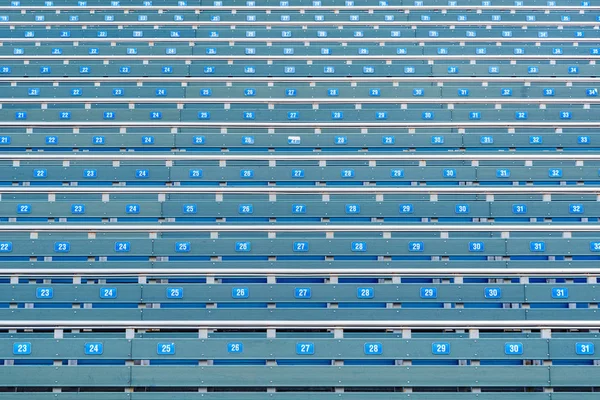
(292, 199)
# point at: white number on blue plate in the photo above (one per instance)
(62, 247)
(462, 209)
(165, 348)
(302, 293)
(235, 347)
(373, 348)
(122, 247)
(22, 348)
(440, 348)
(300, 246)
(365, 293)
(428, 293)
(519, 209)
(305, 348)
(352, 208)
(183, 247)
(537, 246)
(44, 293)
(297, 173)
(416, 246)
(132, 209)
(196, 173)
(190, 208)
(245, 209)
(449, 173)
(560, 293)
(77, 208)
(94, 348)
(174, 293)
(584, 348)
(240, 292)
(108, 293)
(576, 208)
(298, 209)
(397, 173)
(476, 246)
(406, 209)
(23, 208)
(247, 173)
(359, 246)
(492, 293)
(243, 246)
(40, 173)
(513, 348)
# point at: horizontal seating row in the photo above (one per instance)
(346, 207)
(291, 69)
(201, 174)
(302, 33)
(309, 18)
(253, 244)
(285, 4)
(308, 294)
(378, 114)
(296, 92)
(216, 142)
(184, 17)
(240, 347)
(486, 354)
(248, 52)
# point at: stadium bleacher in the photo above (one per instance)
(299, 199)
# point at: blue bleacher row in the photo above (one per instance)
(302, 207)
(348, 114)
(214, 93)
(274, 4)
(256, 349)
(185, 17)
(519, 49)
(325, 19)
(206, 140)
(212, 174)
(242, 244)
(301, 33)
(316, 295)
(261, 68)
(294, 140)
